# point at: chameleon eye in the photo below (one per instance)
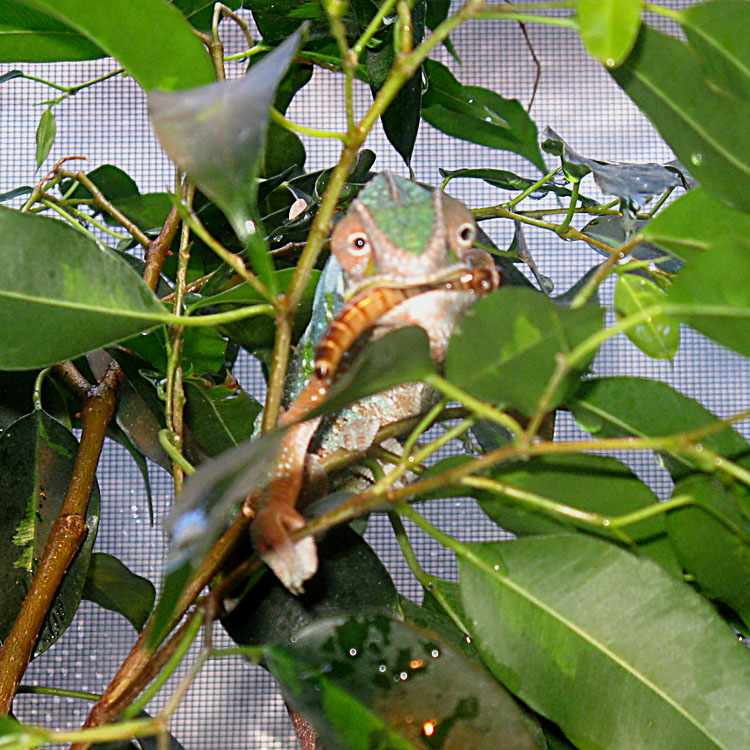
(467, 234)
(359, 244)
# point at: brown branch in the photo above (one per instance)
(66, 536)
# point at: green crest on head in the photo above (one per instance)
(407, 219)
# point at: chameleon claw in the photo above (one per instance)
(293, 563)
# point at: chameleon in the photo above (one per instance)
(409, 252)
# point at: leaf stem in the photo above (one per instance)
(562, 228)
(531, 188)
(279, 119)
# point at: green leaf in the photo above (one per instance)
(111, 180)
(478, 115)
(112, 585)
(593, 484)
(609, 28)
(504, 350)
(624, 406)
(708, 131)
(659, 335)
(219, 416)
(92, 295)
(572, 611)
(716, 286)
(277, 19)
(45, 135)
(216, 134)
(28, 35)
(369, 681)
(174, 57)
(716, 554)
(694, 223)
(148, 211)
(401, 356)
(350, 578)
(718, 32)
(36, 463)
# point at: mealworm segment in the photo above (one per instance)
(363, 311)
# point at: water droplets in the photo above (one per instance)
(696, 159)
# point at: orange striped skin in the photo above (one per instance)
(363, 311)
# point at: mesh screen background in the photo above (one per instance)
(233, 705)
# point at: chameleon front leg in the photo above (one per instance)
(277, 516)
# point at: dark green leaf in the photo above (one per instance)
(16, 397)
(659, 335)
(609, 28)
(478, 115)
(36, 463)
(112, 585)
(111, 180)
(148, 212)
(45, 135)
(94, 296)
(708, 131)
(216, 134)
(504, 350)
(573, 611)
(277, 19)
(350, 579)
(616, 407)
(367, 682)
(15, 193)
(716, 288)
(712, 541)
(593, 484)
(718, 32)
(694, 223)
(401, 118)
(501, 178)
(174, 58)
(219, 416)
(28, 35)
(401, 356)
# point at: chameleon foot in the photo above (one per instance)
(292, 562)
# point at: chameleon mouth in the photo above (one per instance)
(440, 279)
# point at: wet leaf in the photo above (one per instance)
(36, 463)
(715, 290)
(94, 297)
(175, 58)
(112, 585)
(350, 578)
(694, 223)
(219, 415)
(715, 553)
(478, 115)
(28, 35)
(611, 229)
(707, 130)
(634, 183)
(623, 406)
(216, 134)
(547, 626)
(504, 350)
(659, 335)
(368, 681)
(45, 135)
(590, 483)
(609, 28)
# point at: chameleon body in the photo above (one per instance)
(410, 252)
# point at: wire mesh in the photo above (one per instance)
(232, 704)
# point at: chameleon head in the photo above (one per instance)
(400, 230)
